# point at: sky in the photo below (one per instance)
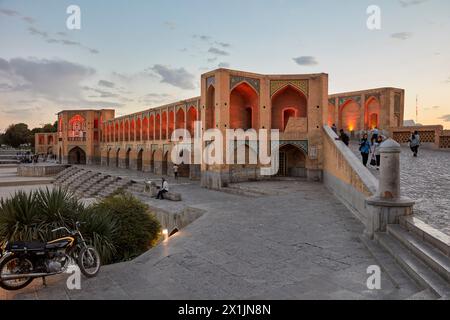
(135, 54)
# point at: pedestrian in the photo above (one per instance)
(175, 171)
(375, 134)
(414, 143)
(344, 137)
(334, 128)
(164, 189)
(376, 151)
(364, 148)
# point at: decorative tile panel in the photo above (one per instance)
(235, 80)
(302, 85)
(343, 100)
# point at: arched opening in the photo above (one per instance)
(292, 162)
(191, 118)
(210, 108)
(158, 127)
(116, 132)
(164, 163)
(171, 123)
(145, 129)
(111, 133)
(152, 162)
(127, 129)
(108, 156)
(139, 161)
(127, 159)
(117, 157)
(121, 137)
(50, 140)
(288, 98)
(77, 156)
(77, 128)
(164, 126)
(184, 169)
(244, 106)
(350, 116)
(152, 127)
(173, 232)
(180, 120)
(288, 114)
(132, 130)
(138, 129)
(372, 113)
(60, 155)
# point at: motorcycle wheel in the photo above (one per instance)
(89, 261)
(17, 284)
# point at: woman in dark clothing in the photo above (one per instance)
(364, 148)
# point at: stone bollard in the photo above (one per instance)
(388, 205)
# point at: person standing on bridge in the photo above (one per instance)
(344, 137)
(175, 171)
(364, 148)
(414, 143)
(376, 151)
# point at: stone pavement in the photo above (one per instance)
(426, 179)
(301, 243)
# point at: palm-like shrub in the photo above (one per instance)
(19, 218)
(33, 216)
(138, 229)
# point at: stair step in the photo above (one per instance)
(241, 192)
(431, 256)
(426, 294)
(392, 269)
(417, 269)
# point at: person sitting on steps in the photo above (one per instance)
(164, 189)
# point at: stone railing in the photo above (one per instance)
(345, 175)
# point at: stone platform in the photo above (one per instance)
(295, 242)
(42, 169)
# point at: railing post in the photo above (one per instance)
(388, 205)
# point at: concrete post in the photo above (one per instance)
(388, 205)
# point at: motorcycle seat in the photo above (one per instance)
(25, 246)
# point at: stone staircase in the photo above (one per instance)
(8, 156)
(89, 183)
(427, 265)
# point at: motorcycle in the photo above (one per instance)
(22, 262)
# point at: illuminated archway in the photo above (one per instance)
(158, 127)
(291, 99)
(191, 118)
(132, 129)
(180, 120)
(244, 107)
(138, 129)
(145, 129)
(210, 110)
(152, 127)
(350, 116)
(171, 123)
(164, 126)
(77, 127)
(139, 161)
(372, 113)
(127, 130)
(292, 161)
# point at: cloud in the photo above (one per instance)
(224, 65)
(170, 24)
(202, 37)
(218, 52)
(155, 98)
(305, 61)
(176, 77)
(433, 108)
(53, 79)
(409, 3)
(36, 32)
(107, 84)
(223, 44)
(10, 13)
(446, 81)
(445, 118)
(212, 59)
(401, 35)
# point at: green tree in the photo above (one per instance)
(17, 134)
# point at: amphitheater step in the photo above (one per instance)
(417, 269)
(241, 192)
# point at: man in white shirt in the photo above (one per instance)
(164, 189)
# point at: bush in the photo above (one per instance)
(32, 217)
(138, 229)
